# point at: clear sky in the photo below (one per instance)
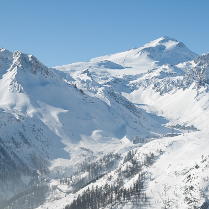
(64, 31)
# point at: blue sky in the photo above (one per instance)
(65, 31)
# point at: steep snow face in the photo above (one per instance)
(22, 73)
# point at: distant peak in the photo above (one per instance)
(28, 63)
(165, 41)
(163, 50)
(21, 61)
(26, 59)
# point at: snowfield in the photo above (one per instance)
(122, 131)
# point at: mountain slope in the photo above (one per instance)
(162, 50)
(59, 125)
(167, 79)
(126, 130)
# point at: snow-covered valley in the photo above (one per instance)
(122, 131)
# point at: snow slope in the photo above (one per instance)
(134, 118)
(59, 123)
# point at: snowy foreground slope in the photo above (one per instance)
(122, 131)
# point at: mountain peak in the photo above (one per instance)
(164, 50)
(164, 40)
(27, 62)
(166, 43)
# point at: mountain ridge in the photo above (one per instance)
(121, 119)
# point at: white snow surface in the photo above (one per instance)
(151, 100)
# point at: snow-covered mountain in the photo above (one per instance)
(126, 130)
